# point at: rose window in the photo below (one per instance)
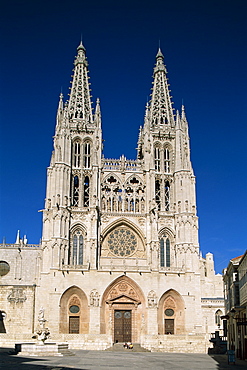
(122, 242)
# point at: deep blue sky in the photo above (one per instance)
(204, 43)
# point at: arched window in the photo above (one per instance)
(157, 159)
(168, 253)
(75, 201)
(167, 196)
(166, 160)
(76, 248)
(87, 155)
(86, 192)
(165, 252)
(77, 153)
(157, 194)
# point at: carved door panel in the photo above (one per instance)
(74, 324)
(169, 326)
(122, 326)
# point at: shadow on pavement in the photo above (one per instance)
(10, 361)
(222, 362)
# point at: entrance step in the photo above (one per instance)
(119, 347)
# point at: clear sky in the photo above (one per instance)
(204, 44)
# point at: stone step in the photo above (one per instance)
(119, 347)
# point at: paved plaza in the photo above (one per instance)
(97, 360)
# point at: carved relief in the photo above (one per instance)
(94, 298)
(17, 295)
(123, 288)
(74, 301)
(169, 303)
(152, 299)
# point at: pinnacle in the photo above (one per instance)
(159, 54)
(81, 47)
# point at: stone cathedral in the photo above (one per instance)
(119, 258)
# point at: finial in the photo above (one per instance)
(159, 54)
(81, 47)
(18, 237)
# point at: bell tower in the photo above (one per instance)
(163, 146)
(73, 177)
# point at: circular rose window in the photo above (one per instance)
(4, 268)
(122, 242)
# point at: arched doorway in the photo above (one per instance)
(123, 311)
(171, 318)
(74, 315)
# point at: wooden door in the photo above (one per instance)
(122, 326)
(74, 324)
(169, 326)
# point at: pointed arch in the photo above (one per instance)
(171, 313)
(74, 312)
(166, 239)
(127, 223)
(123, 294)
(76, 152)
(122, 239)
(157, 155)
(76, 245)
(87, 149)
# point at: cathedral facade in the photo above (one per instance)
(119, 258)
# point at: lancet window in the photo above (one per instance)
(157, 159)
(76, 248)
(162, 159)
(76, 188)
(87, 155)
(166, 160)
(157, 194)
(165, 252)
(86, 192)
(77, 153)
(167, 196)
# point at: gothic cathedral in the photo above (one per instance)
(119, 259)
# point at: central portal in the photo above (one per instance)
(122, 326)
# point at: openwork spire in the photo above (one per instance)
(80, 106)
(161, 112)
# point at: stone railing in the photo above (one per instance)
(21, 245)
(121, 164)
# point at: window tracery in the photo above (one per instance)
(122, 242)
(76, 188)
(157, 194)
(77, 153)
(162, 158)
(166, 160)
(76, 248)
(157, 159)
(167, 196)
(117, 197)
(87, 154)
(86, 192)
(165, 252)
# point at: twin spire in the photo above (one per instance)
(159, 111)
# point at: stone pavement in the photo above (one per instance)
(103, 360)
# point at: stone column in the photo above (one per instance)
(152, 324)
(94, 325)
